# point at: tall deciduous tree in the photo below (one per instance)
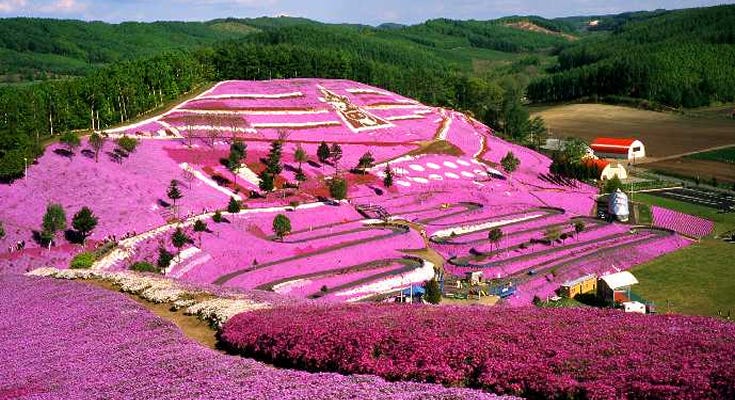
(335, 153)
(495, 235)
(338, 188)
(53, 221)
(97, 142)
(281, 226)
(365, 162)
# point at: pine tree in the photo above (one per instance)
(174, 194)
(233, 206)
(266, 181)
(273, 163)
(179, 239)
(388, 178)
(84, 221)
(164, 258)
(365, 162)
(300, 177)
(322, 152)
(510, 162)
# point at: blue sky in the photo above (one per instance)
(371, 12)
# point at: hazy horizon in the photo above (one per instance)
(354, 12)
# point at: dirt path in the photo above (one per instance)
(189, 325)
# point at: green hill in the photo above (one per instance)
(33, 48)
(678, 58)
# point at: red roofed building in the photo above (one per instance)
(618, 148)
(606, 169)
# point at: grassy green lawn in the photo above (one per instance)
(699, 279)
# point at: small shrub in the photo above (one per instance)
(83, 260)
(127, 143)
(233, 206)
(217, 217)
(143, 266)
(324, 289)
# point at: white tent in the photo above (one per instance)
(619, 280)
(618, 205)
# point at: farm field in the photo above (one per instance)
(664, 134)
(693, 168)
(696, 280)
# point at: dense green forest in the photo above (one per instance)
(487, 68)
(34, 48)
(680, 58)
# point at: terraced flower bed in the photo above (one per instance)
(683, 223)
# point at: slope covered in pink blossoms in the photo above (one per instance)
(448, 192)
(75, 341)
(534, 353)
(447, 181)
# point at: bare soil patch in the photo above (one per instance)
(663, 133)
(530, 26)
(705, 169)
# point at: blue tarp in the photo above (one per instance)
(417, 291)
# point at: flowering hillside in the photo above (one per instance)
(534, 353)
(71, 340)
(447, 190)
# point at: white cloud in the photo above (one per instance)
(8, 6)
(62, 7)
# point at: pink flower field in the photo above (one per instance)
(448, 193)
(462, 195)
(534, 353)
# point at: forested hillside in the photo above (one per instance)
(680, 58)
(34, 48)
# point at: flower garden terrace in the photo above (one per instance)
(449, 190)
